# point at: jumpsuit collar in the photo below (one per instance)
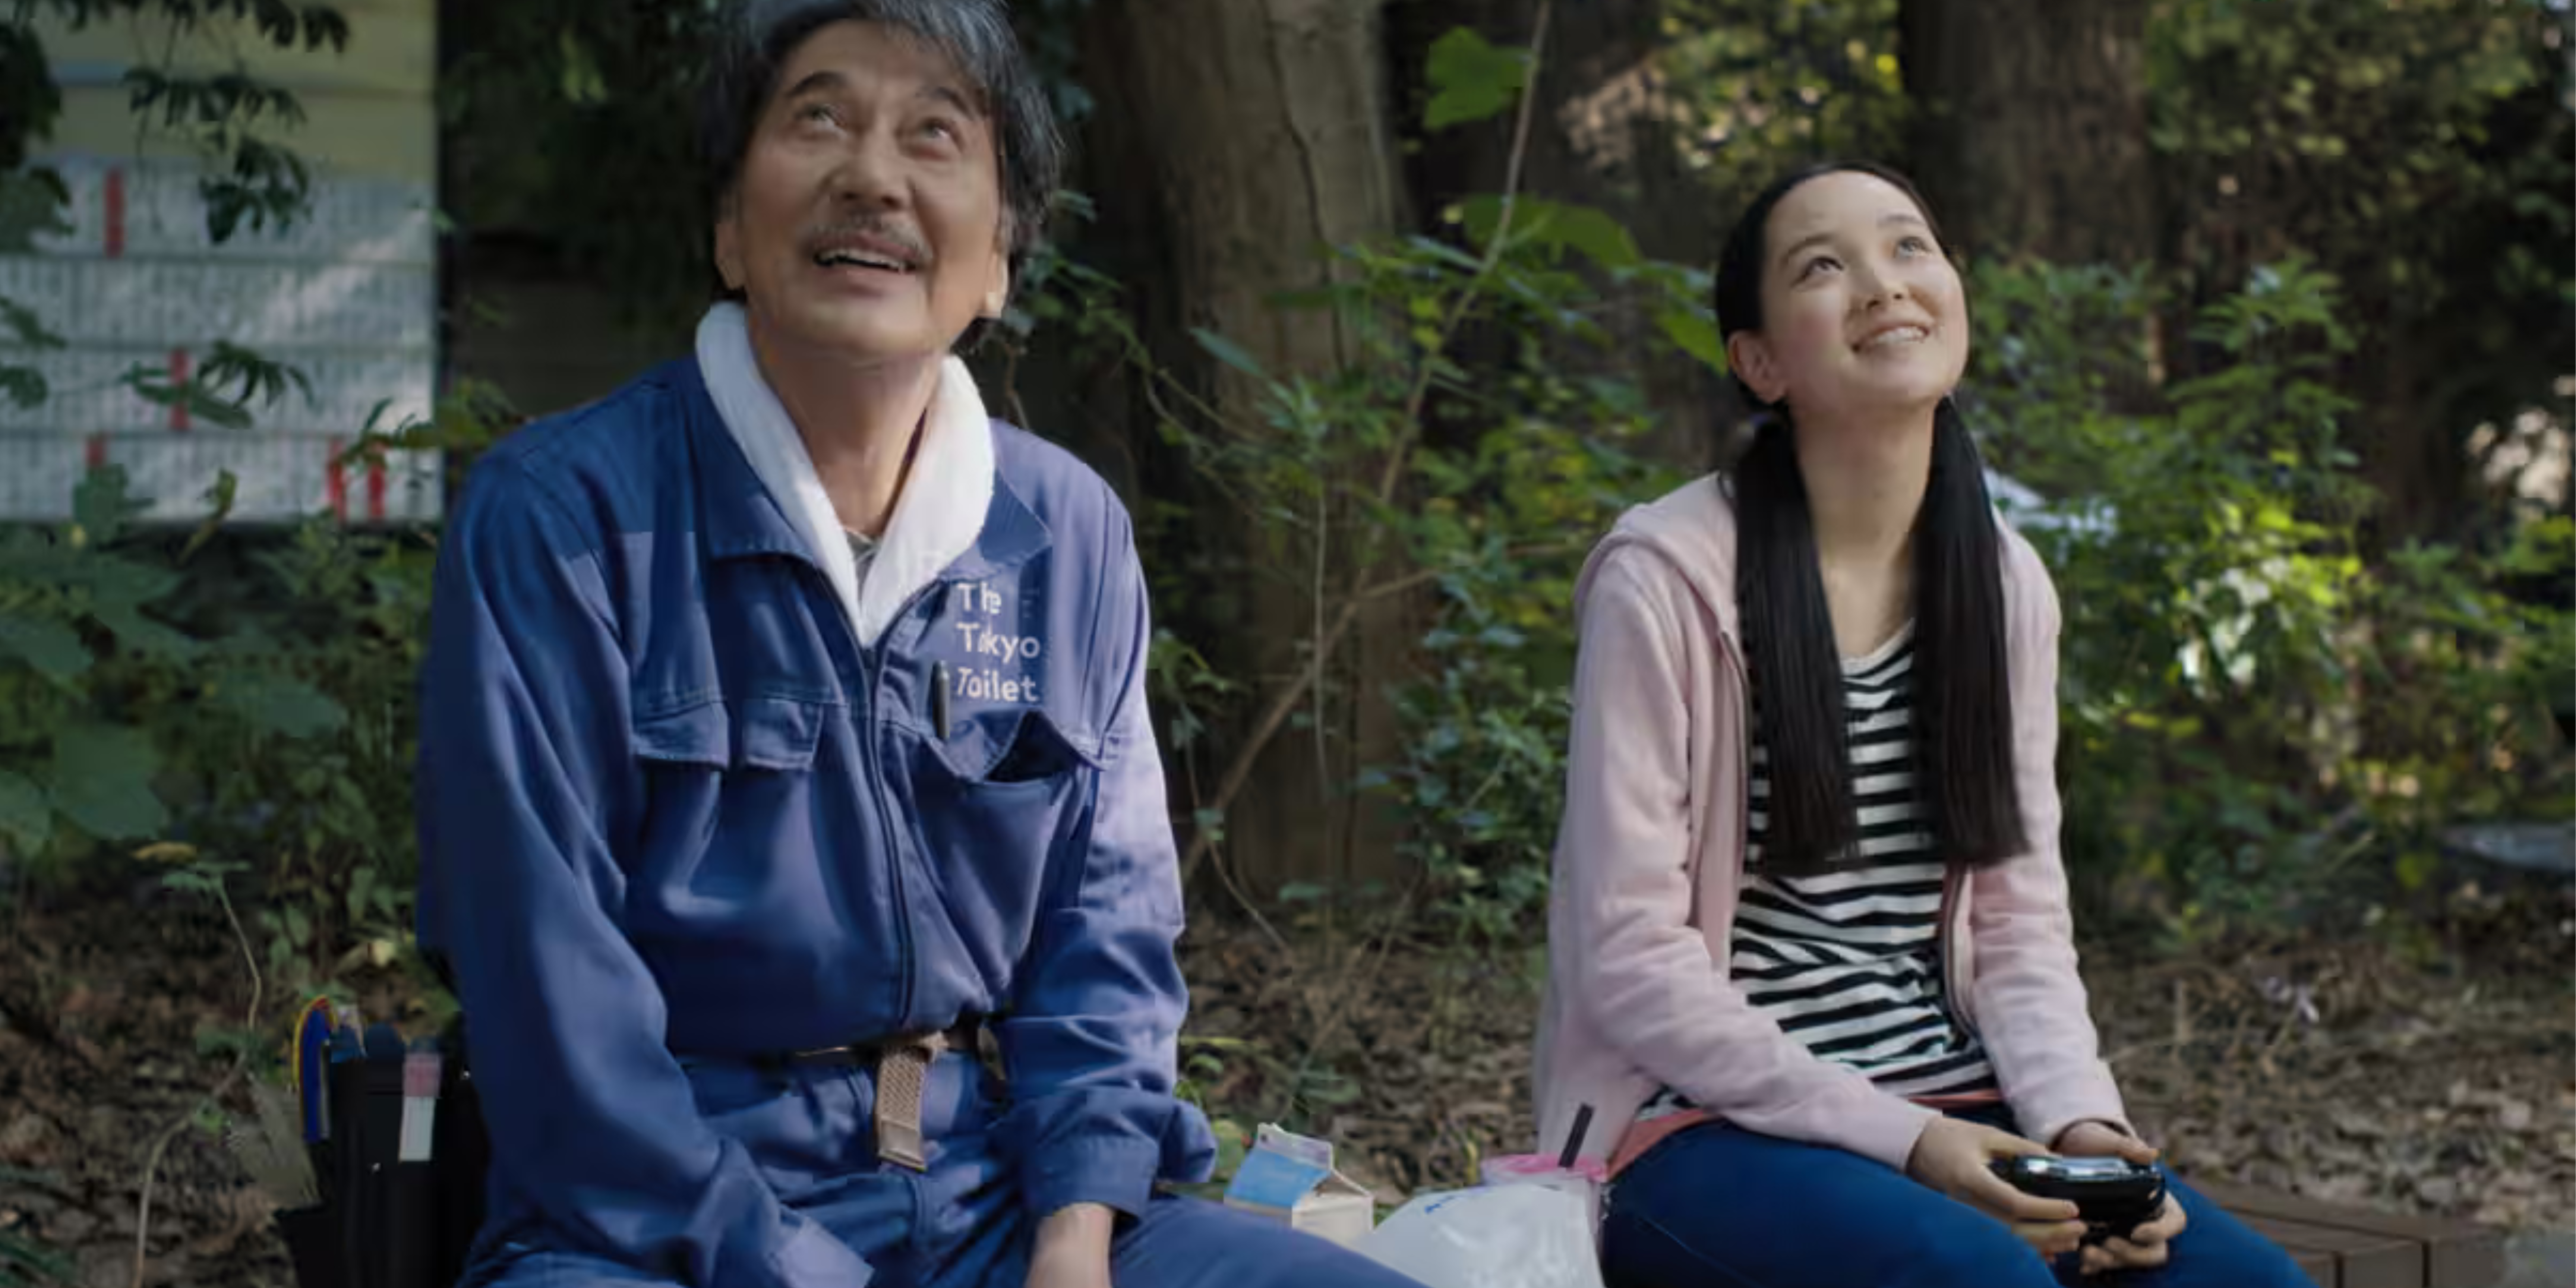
(947, 500)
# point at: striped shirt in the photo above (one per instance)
(1849, 962)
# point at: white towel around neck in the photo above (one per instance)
(938, 514)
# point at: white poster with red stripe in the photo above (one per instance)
(348, 297)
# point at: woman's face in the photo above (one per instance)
(1862, 313)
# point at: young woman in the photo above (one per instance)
(1811, 965)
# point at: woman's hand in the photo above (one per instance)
(1955, 1158)
(2095, 1139)
(1073, 1248)
(2148, 1245)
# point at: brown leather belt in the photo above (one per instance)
(901, 1065)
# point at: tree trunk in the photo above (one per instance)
(1233, 143)
(2032, 138)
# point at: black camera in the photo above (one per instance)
(2113, 1196)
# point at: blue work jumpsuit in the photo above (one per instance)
(676, 817)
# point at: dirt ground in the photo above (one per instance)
(2437, 1078)
(2431, 1071)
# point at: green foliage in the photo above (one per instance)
(29, 98)
(222, 390)
(239, 694)
(2382, 147)
(266, 712)
(2424, 153)
(1472, 79)
(250, 697)
(611, 82)
(91, 655)
(31, 203)
(1047, 31)
(225, 116)
(2248, 708)
(1754, 84)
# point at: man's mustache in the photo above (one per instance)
(884, 234)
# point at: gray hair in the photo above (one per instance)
(755, 38)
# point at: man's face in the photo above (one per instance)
(867, 221)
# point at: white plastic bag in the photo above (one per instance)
(1496, 1236)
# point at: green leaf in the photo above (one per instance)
(25, 815)
(51, 647)
(2416, 868)
(28, 329)
(1596, 234)
(31, 204)
(102, 506)
(260, 379)
(1331, 1090)
(143, 635)
(1695, 334)
(194, 395)
(219, 500)
(1228, 352)
(362, 885)
(214, 410)
(280, 704)
(1472, 79)
(102, 780)
(1483, 216)
(1556, 225)
(115, 582)
(582, 84)
(263, 182)
(24, 386)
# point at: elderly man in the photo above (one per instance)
(785, 736)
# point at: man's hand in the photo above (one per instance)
(1954, 1157)
(1073, 1248)
(2149, 1244)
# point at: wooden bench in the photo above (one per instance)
(2347, 1247)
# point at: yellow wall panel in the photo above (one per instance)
(369, 111)
(385, 137)
(387, 51)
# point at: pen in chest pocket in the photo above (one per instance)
(939, 699)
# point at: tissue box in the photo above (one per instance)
(1290, 1179)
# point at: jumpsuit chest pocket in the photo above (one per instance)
(1004, 749)
(775, 732)
(993, 801)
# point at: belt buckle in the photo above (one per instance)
(902, 1073)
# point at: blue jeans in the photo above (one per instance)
(960, 1224)
(1716, 1206)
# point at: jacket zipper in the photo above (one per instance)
(1743, 782)
(874, 671)
(872, 674)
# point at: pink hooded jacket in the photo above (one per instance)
(1650, 856)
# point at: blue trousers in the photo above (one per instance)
(960, 1224)
(1716, 1206)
